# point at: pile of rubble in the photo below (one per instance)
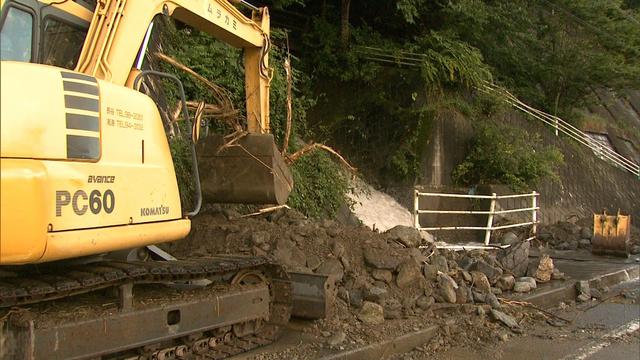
(567, 235)
(388, 283)
(380, 276)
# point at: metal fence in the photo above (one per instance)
(491, 212)
(603, 152)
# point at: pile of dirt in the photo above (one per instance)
(572, 235)
(388, 283)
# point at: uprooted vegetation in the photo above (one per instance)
(213, 78)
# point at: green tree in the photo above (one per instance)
(507, 155)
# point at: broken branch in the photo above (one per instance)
(312, 147)
(528, 304)
(266, 210)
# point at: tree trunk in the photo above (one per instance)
(345, 32)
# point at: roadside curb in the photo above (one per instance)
(398, 345)
(551, 297)
(544, 299)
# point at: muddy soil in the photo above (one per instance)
(389, 283)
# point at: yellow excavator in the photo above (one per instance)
(87, 173)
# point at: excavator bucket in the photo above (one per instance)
(250, 171)
(611, 234)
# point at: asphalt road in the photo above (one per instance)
(607, 331)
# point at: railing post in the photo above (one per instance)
(416, 207)
(534, 212)
(492, 208)
(556, 124)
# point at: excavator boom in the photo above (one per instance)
(118, 28)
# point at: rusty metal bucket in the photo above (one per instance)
(314, 295)
(251, 171)
(611, 234)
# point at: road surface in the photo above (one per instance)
(606, 331)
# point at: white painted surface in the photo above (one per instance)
(378, 210)
(587, 351)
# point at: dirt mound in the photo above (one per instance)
(388, 283)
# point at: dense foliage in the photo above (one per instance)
(321, 185)
(506, 155)
(408, 61)
(371, 77)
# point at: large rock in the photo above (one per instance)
(492, 300)
(465, 263)
(462, 293)
(353, 297)
(291, 257)
(375, 294)
(430, 272)
(509, 238)
(492, 272)
(332, 267)
(508, 320)
(506, 282)
(371, 313)
(406, 235)
(382, 275)
(480, 282)
(313, 262)
(408, 273)
(447, 288)
(418, 256)
(424, 302)
(584, 290)
(392, 309)
(528, 279)
(521, 287)
(479, 297)
(545, 269)
(515, 259)
(441, 264)
(466, 276)
(383, 258)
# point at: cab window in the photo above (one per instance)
(16, 36)
(61, 43)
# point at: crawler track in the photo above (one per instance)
(239, 322)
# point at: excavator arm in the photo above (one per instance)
(118, 29)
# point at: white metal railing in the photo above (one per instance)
(601, 151)
(533, 210)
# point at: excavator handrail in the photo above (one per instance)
(185, 112)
